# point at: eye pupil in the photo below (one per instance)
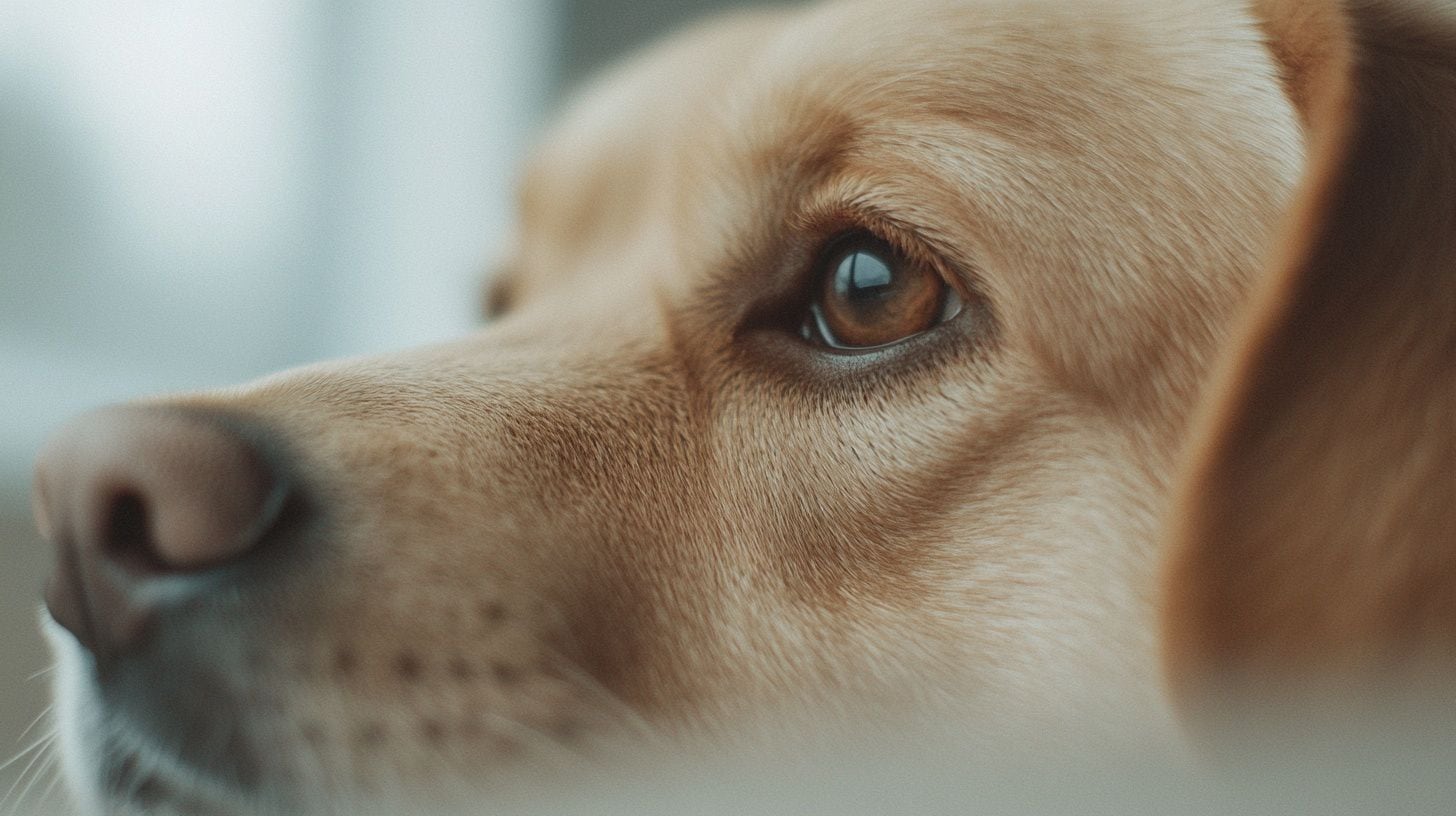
(863, 274)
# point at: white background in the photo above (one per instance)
(195, 193)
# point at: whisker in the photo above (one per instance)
(572, 672)
(537, 739)
(48, 766)
(37, 756)
(621, 711)
(33, 723)
(51, 788)
(27, 749)
(56, 783)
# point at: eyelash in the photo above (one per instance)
(839, 223)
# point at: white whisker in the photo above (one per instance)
(33, 723)
(48, 766)
(39, 743)
(40, 757)
(56, 777)
(563, 755)
(622, 713)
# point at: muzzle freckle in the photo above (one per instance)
(407, 667)
(492, 613)
(505, 673)
(370, 735)
(345, 662)
(461, 670)
(433, 732)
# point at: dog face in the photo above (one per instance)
(841, 362)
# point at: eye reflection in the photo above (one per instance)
(871, 295)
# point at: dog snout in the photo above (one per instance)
(137, 498)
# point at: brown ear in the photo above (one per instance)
(1313, 538)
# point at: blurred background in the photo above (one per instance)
(198, 193)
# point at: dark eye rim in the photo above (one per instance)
(787, 362)
(812, 329)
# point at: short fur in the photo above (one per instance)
(636, 510)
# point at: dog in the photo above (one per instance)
(1002, 363)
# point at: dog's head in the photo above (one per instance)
(842, 363)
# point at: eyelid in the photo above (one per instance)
(836, 220)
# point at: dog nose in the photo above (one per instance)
(133, 496)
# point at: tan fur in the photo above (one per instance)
(634, 509)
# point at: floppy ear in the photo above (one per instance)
(1312, 541)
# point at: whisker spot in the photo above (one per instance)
(407, 666)
(493, 613)
(345, 662)
(505, 673)
(370, 735)
(433, 731)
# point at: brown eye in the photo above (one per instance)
(871, 295)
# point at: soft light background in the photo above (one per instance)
(197, 193)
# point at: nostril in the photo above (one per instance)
(130, 495)
(126, 539)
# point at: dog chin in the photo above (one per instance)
(104, 778)
(117, 764)
(190, 733)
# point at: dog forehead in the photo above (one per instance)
(1019, 68)
(1029, 69)
(606, 164)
